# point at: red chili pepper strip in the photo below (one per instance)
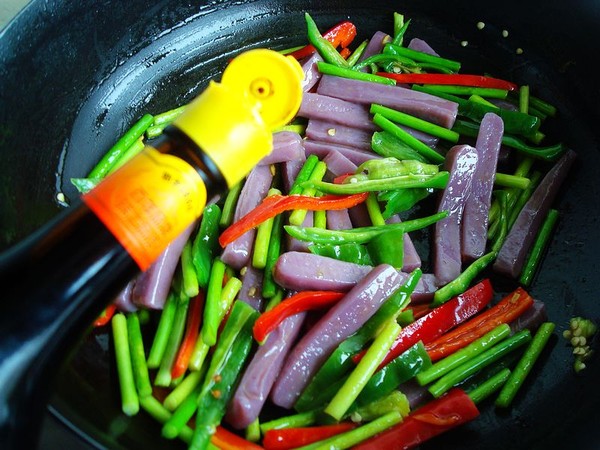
(420, 310)
(289, 438)
(226, 440)
(276, 204)
(440, 320)
(451, 79)
(432, 419)
(182, 360)
(340, 35)
(302, 301)
(507, 310)
(106, 315)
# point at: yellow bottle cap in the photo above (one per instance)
(232, 121)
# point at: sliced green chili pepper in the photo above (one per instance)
(357, 53)
(388, 248)
(229, 357)
(401, 369)
(381, 168)
(395, 401)
(206, 243)
(400, 27)
(387, 145)
(359, 235)
(354, 253)
(325, 48)
(437, 181)
(399, 200)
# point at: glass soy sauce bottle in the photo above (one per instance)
(56, 282)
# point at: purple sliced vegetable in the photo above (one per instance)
(338, 164)
(475, 218)
(309, 272)
(152, 286)
(416, 394)
(421, 46)
(375, 46)
(323, 131)
(297, 245)
(411, 260)
(289, 172)
(311, 72)
(513, 252)
(124, 301)
(287, 146)
(338, 220)
(343, 319)
(238, 253)
(322, 107)
(251, 290)
(261, 373)
(530, 319)
(322, 149)
(461, 162)
(419, 104)
(359, 215)
(301, 271)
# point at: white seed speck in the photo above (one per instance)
(331, 132)
(504, 33)
(480, 25)
(519, 51)
(61, 197)
(464, 43)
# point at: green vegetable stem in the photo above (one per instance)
(112, 156)
(523, 367)
(475, 364)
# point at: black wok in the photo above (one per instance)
(75, 75)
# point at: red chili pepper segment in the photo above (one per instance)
(302, 301)
(432, 419)
(450, 79)
(289, 438)
(507, 310)
(106, 315)
(440, 320)
(188, 343)
(276, 204)
(226, 440)
(340, 35)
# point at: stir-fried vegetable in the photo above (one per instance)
(302, 288)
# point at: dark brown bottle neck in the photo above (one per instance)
(177, 143)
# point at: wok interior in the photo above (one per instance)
(99, 69)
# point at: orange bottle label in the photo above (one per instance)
(148, 202)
